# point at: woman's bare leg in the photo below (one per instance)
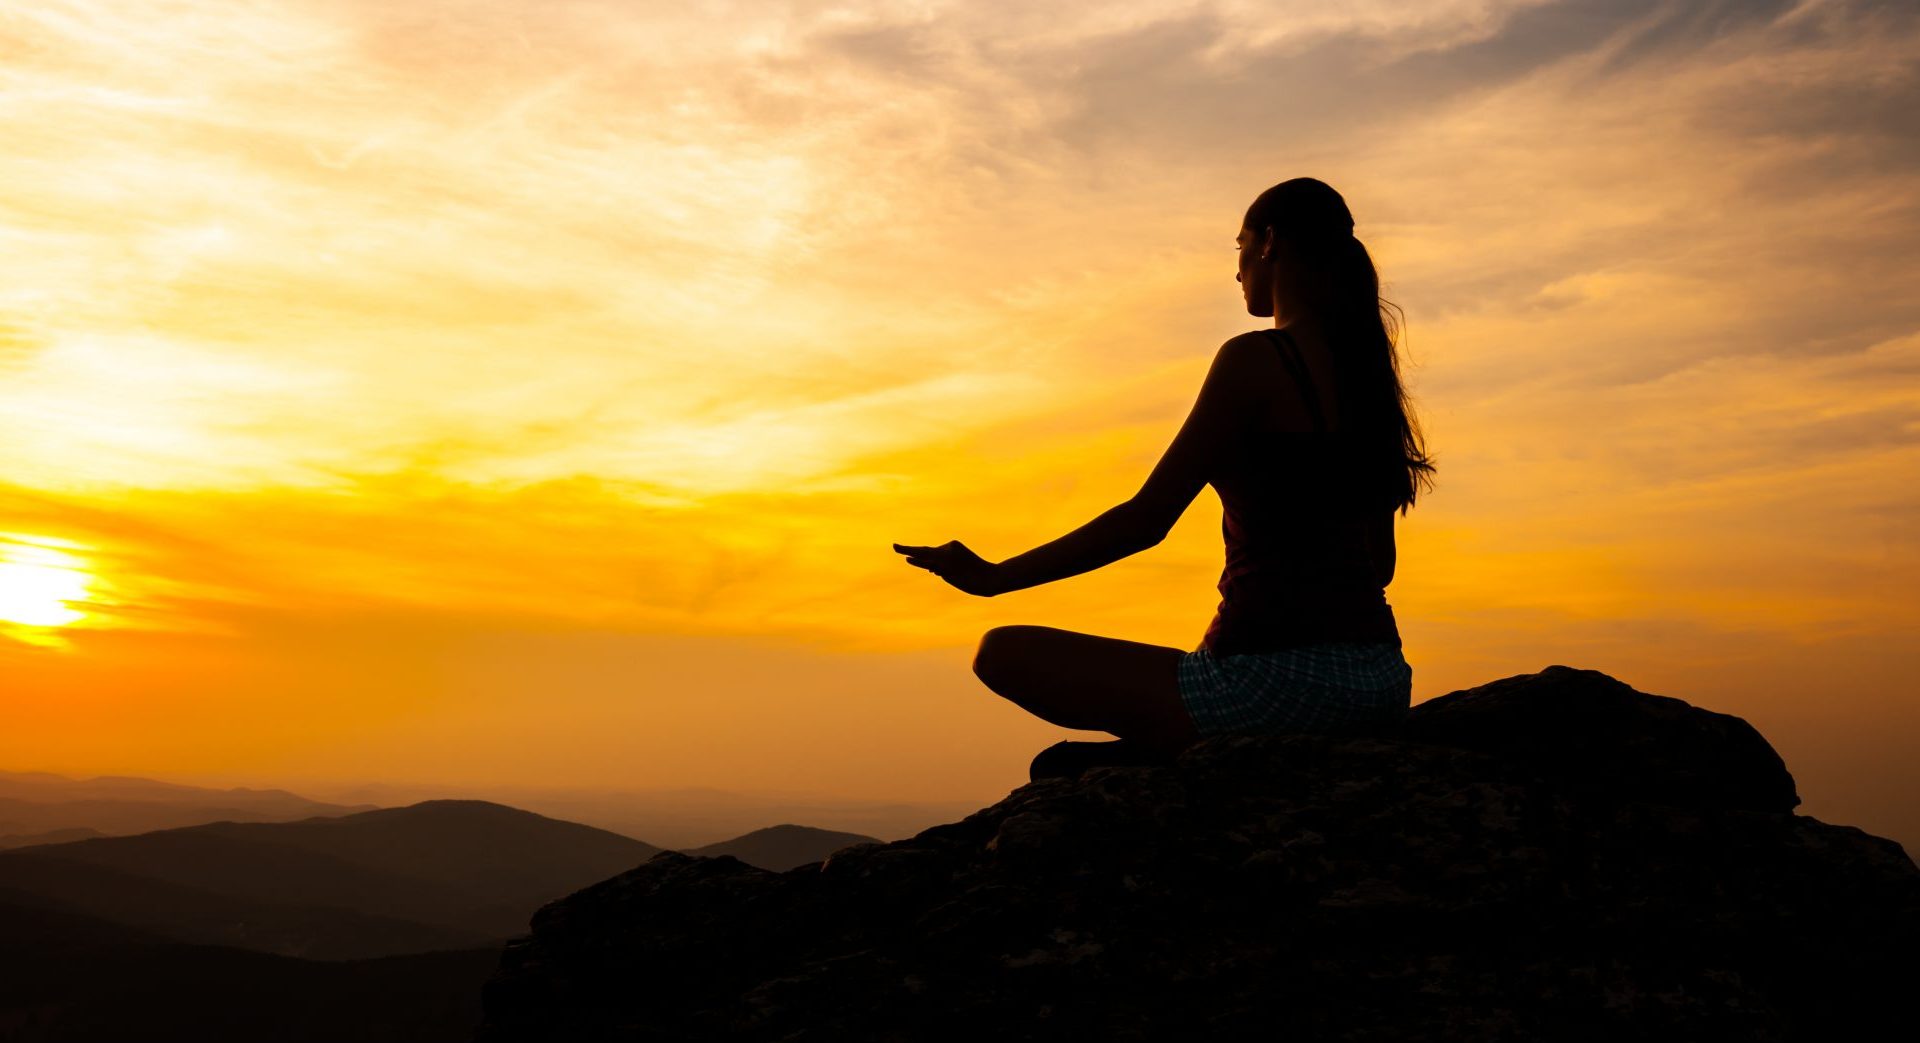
(1082, 681)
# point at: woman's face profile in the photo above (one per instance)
(1255, 275)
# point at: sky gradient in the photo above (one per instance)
(527, 393)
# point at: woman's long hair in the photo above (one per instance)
(1339, 283)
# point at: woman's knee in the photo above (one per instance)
(997, 661)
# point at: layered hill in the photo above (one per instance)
(375, 926)
(1548, 856)
(33, 803)
(69, 978)
(52, 836)
(436, 875)
(782, 847)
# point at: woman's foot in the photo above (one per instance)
(1066, 760)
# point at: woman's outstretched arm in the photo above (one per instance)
(1115, 534)
(1220, 414)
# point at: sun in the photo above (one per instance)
(40, 586)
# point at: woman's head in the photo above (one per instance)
(1299, 259)
(1298, 255)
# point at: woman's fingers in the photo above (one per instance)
(955, 563)
(945, 548)
(929, 558)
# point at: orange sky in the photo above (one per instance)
(526, 393)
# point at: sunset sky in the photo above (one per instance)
(528, 393)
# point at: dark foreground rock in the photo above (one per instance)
(1553, 856)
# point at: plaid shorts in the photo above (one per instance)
(1333, 688)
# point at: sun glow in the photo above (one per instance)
(40, 585)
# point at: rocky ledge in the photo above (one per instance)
(1551, 856)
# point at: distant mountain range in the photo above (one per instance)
(437, 875)
(35, 803)
(680, 818)
(372, 925)
(444, 874)
(42, 808)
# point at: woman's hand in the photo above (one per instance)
(960, 567)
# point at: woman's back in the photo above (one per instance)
(1309, 553)
(1291, 405)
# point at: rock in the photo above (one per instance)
(1631, 868)
(1589, 731)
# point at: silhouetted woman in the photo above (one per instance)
(1305, 433)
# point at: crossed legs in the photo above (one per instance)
(1096, 683)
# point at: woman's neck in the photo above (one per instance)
(1302, 325)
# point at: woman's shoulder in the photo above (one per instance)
(1274, 374)
(1252, 342)
(1246, 356)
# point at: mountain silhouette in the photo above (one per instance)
(435, 875)
(70, 978)
(782, 847)
(40, 802)
(57, 836)
(187, 934)
(1548, 856)
(206, 917)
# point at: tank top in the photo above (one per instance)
(1308, 557)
